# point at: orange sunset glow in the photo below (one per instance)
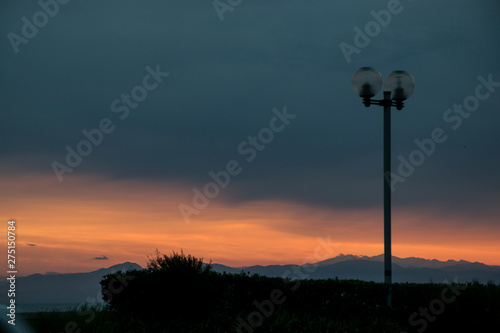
(62, 231)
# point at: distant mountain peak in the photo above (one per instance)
(349, 266)
(123, 267)
(125, 264)
(403, 262)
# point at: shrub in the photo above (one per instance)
(173, 290)
(180, 293)
(178, 263)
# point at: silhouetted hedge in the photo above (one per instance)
(205, 301)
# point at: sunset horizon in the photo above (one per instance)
(105, 264)
(70, 232)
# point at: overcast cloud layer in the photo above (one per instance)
(226, 77)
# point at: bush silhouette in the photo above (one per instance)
(178, 263)
(173, 288)
(179, 293)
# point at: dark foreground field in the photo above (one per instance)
(313, 306)
(180, 294)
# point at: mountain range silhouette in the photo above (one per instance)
(84, 287)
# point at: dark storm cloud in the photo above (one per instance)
(226, 78)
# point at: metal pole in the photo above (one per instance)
(387, 195)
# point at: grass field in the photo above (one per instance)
(315, 306)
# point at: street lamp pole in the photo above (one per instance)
(398, 86)
(387, 196)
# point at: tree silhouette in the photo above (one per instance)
(178, 263)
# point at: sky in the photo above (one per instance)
(229, 129)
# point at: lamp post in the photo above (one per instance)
(398, 86)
